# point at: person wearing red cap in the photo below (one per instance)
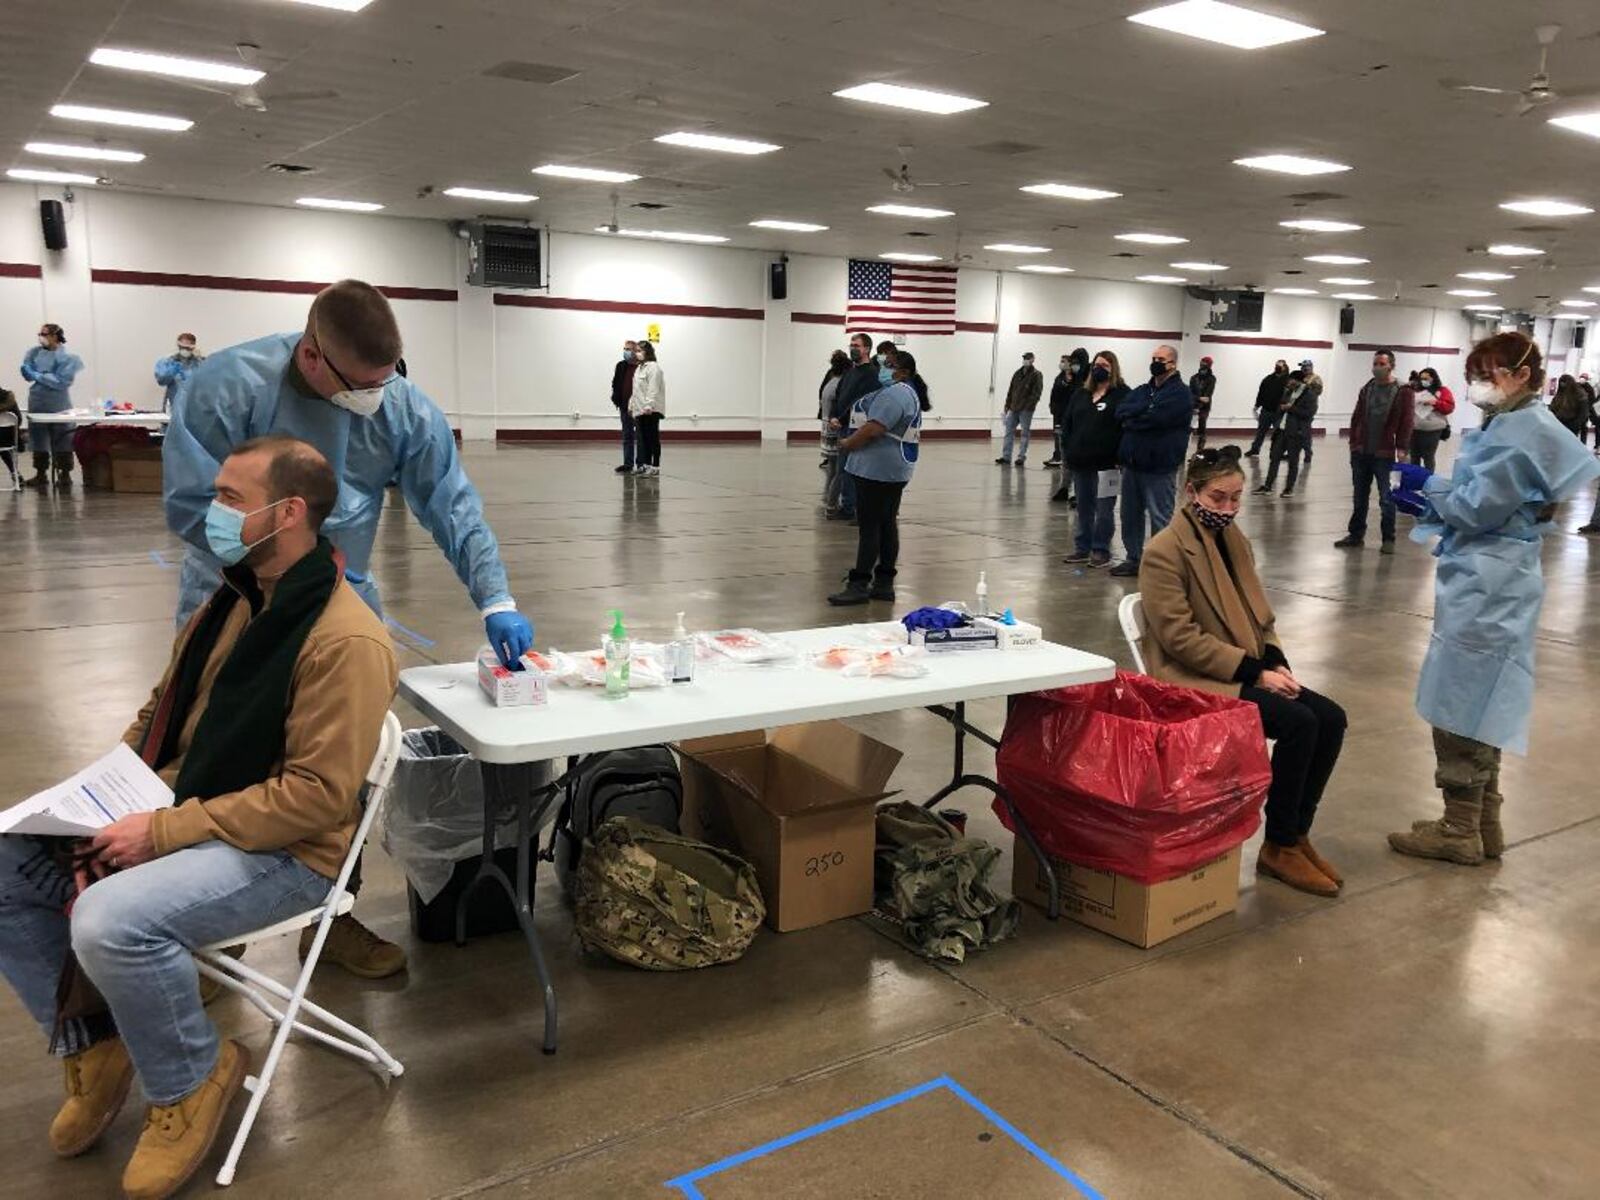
(1202, 385)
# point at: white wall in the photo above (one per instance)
(497, 367)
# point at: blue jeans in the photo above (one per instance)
(133, 933)
(629, 432)
(1013, 422)
(1145, 494)
(1097, 516)
(1365, 470)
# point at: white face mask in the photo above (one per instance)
(1484, 394)
(363, 403)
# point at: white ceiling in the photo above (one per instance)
(1101, 102)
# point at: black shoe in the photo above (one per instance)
(1264, 490)
(1349, 542)
(1591, 527)
(1252, 454)
(882, 591)
(1076, 558)
(1387, 547)
(622, 471)
(1062, 496)
(850, 594)
(1126, 570)
(1052, 462)
(1099, 559)
(1021, 462)
(1002, 462)
(1287, 492)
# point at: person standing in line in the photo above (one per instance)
(50, 370)
(1091, 434)
(1590, 399)
(1569, 407)
(1022, 397)
(885, 437)
(1269, 406)
(10, 432)
(1202, 386)
(1476, 687)
(1380, 436)
(621, 392)
(1299, 410)
(861, 380)
(1314, 384)
(1432, 418)
(172, 370)
(1073, 370)
(1155, 420)
(648, 404)
(838, 365)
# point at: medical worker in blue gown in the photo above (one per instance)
(1490, 516)
(335, 385)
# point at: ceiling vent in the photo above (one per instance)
(1006, 147)
(679, 185)
(280, 168)
(1538, 229)
(1294, 271)
(651, 205)
(529, 72)
(1126, 254)
(1315, 197)
(918, 233)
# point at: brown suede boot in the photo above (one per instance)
(355, 948)
(1288, 864)
(1453, 837)
(177, 1137)
(1327, 868)
(1489, 831)
(97, 1083)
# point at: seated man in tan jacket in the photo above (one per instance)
(264, 724)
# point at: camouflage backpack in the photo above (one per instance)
(664, 902)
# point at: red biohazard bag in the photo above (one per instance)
(1142, 778)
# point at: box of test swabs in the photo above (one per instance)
(506, 688)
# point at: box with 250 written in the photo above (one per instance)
(800, 803)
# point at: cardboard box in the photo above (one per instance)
(1019, 635)
(962, 637)
(136, 469)
(506, 688)
(800, 804)
(1141, 913)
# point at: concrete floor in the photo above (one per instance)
(1431, 1033)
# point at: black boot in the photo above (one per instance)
(41, 471)
(882, 589)
(63, 465)
(854, 592)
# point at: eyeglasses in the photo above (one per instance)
(340, 375)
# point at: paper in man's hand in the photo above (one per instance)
(118, 784)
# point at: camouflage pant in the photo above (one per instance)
(1465, 766)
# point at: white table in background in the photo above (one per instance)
(507, 742)
(95, 416)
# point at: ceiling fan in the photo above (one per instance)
(250, 95)
(1539, 92)
(902, 178)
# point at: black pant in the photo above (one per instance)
(649, 439)
(1309, 731)
(1425, 446)
(1202, 413)
(628, 434)
(1366, 470)
(878, 543)
(1267, 421)
(1286, 445)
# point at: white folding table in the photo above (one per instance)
(95, 416)
(508, 742)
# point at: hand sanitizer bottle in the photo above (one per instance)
(618, 651)
(682, 654)
(983, 595)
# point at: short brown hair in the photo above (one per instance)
(296, 468)
(357, 316)
(1510, 350)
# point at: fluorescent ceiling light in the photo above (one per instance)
(55, 150)
(1291, 164)
(472, 193)
(789, 226)
(593, 174)
(1588, 123)
(1347, 281)
(1486, 308)
(36, 176)
(1016, 248)
(1199, 266)
(1511, 250)
(341, 5)
(1069, 191)
(1316, 225)
(1337, 260)
(1152, 239)
(117, 116)
(1475, 293)
(1547, 208)
(1487, 276)
(663, 235)
(178, 68)
(1161, 279)
(1572, 317)
(916, 99)
(1578, 303)
(710, 141)
(1241, 28)
(338, 205)
(1354, 296)
(1595, 290)
(902, 256)
(1293, 291)
(909, 210)
(1045, 269)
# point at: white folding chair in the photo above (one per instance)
(1130, 614)
(260, 990)
(15, 422)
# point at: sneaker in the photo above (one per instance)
(356, 948)
(1349, 542)
(1387, 547)
(1062, 496)
(1126, 570)
(622, 470)
(1286, 493)
(1075, 558)
(177, 1137)
(849, 595)
(1052, 462)
(641, 470)
(1099, 559)
(1252, 454)
(1263, 490)
(1002, 462)
(1591, 527)
(98, 1080)
(1021, 462)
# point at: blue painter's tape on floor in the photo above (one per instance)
(688, 1184)
(160, 560)
(425, 642)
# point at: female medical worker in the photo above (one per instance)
(50, 370)
(1490, 515)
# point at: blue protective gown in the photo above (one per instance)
(1477, 678)
(250, 390)
(171, 371)
(51, 392)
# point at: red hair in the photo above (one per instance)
(1509, 350)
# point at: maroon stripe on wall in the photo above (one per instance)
(1168, 335)
(809, 436)
(505, 300)
(21, 270)
(808, 318)
(610, 436)
(240, 283)
(1374, 346)
(1293, 343)
(975, 326)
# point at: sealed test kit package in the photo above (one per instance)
(1137, 777)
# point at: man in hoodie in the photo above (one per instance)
(1155, 420)
(1073, 370)
(1202, 386)
(1269, 398)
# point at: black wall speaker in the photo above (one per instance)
(1347, 319)
(53, 221)
(1579, 334)
(778, 280)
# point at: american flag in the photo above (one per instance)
(900, 298)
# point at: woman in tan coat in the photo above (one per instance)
(1210, 627)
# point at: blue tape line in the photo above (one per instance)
(424, 642)
(160, 560)
(1023, 1140)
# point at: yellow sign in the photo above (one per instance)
(653, 333)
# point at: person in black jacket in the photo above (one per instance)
(1155, 420)
(1074, 369)
(1090, 435)
(859, 380)
(1202, 386)
(1301, 396)
(1269, 414)
(621, 393)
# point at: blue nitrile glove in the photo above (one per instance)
(932, 618)
(29, 373)
(1409, 502)
(1412, 477)
(511, 635)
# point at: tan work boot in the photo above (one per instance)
(1327, 868)
(210, 989)
(97, 1083)
(177, 1137)
(356, 948)
(1489, 831)
(1453, 837)
(1288, 864)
